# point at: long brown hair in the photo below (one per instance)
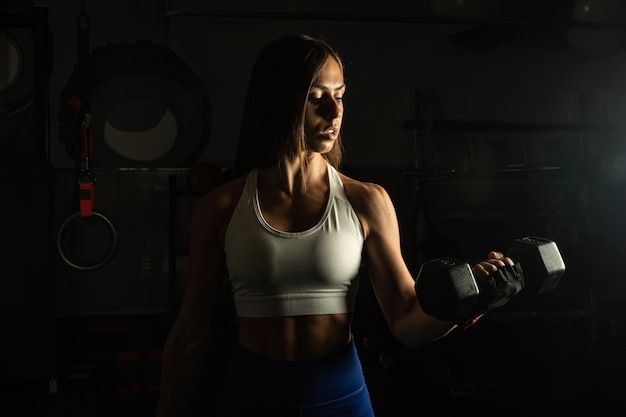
(274, 110)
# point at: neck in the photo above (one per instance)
(292, 176)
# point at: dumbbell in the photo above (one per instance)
(447, 289)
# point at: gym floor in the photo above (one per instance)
(108, 366)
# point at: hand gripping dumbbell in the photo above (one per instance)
(447, 289)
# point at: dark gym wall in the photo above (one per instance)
(532, 74)
(27, 280)
(27, 312)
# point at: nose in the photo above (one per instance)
(332, 109)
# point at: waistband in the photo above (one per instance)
(294, 383)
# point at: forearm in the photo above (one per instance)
(415, 328)
(181, 371)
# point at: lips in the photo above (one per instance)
(331, 132)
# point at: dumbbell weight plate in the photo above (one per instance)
(541, 263)
(446, 289)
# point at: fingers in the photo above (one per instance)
(500, 259)
(495, 260)
(483, 269)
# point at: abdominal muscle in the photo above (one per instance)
(295, 338)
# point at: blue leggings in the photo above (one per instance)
(328, 387)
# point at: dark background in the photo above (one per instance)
(485, 120)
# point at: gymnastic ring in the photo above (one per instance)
(107, 256)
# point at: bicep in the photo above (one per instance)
(391, 280)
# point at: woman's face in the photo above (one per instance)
(324, 108)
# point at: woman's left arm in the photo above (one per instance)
(392, 282)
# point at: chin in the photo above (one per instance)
(321, 148)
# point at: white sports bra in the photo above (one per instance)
(276, 273)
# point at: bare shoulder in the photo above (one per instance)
(220, 202)
(367, 198)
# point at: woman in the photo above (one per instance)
(291, 233)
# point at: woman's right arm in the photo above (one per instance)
(187, 343)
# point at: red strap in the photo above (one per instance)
(86, 198)
(86, 180)
(469, 323)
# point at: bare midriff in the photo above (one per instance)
(295, 338)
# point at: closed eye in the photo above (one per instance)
(318, 100)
